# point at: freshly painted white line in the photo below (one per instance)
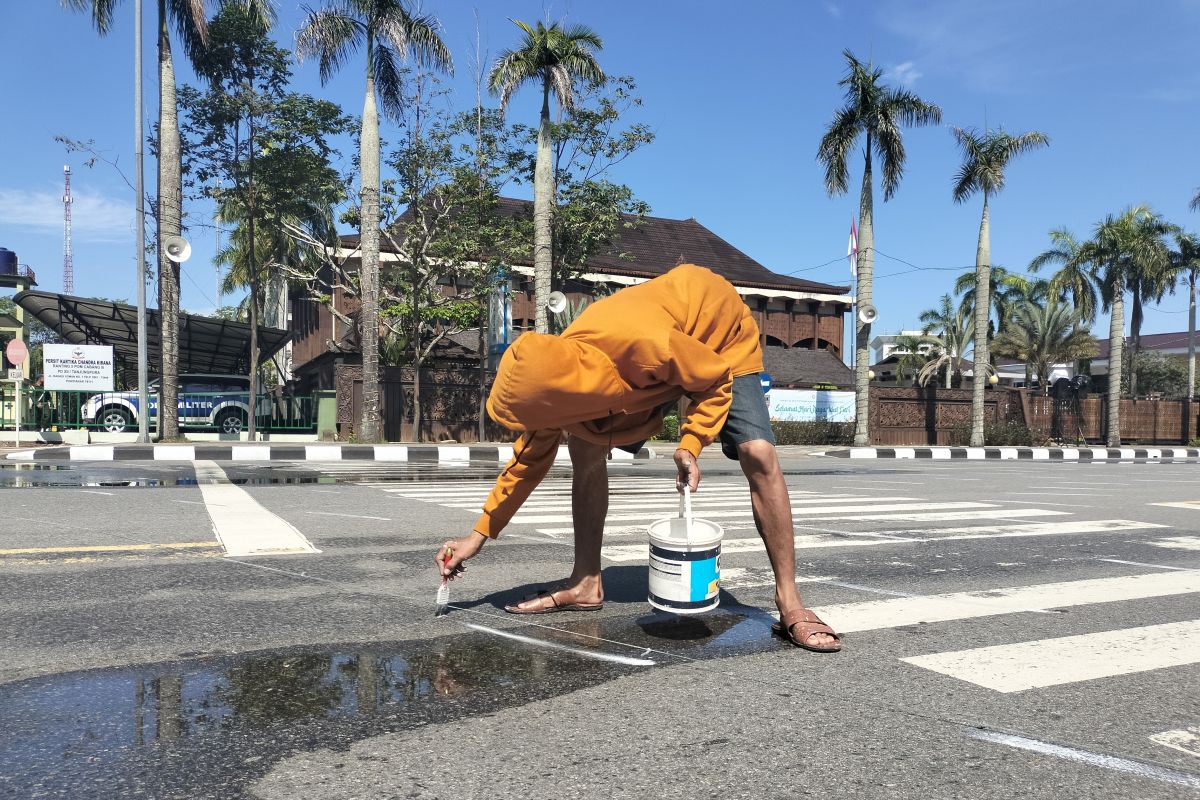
(640, 552)
(1190, 505)
(323, 452)
(1057, 494)
(88, 491)
(244, 527)
(578, 651)
(252, 452)
(1084, 757)
(189, 502)
(1179, 542)
(1141, 564)
(1185, 741)
(858, 586)
(803, 511)
(391, 452)
(174, 452)
(668, 506)
(354, 516)
(877, 615)
(1069, 659)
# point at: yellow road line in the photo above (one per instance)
(105, 548)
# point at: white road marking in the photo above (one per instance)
(88, 491)
(579, 651)
(1032, 529)
(354, 516)
(699, 506)
(1069, 659)
(1185, 741)
(1084, 757)
(1141, 564)
(640, 552)
(240, 523)
(1191, 505)
(1179, 542)
(803, 511)
(882, 614)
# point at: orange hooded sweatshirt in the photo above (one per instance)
(607, 376)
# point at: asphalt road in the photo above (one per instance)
(1012, 629)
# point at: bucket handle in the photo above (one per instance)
(685, 509)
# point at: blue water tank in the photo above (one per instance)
(8, 262)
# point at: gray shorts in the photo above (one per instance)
(748, 418)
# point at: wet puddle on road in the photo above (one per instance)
(181, 729)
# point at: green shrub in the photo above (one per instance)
(670, 428)
(835, 433)
(1001, 434)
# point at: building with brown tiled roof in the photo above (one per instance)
(792, 313)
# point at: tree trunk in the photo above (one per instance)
(543, 209)
(982, 307)
(416, 409)
(1191, 334)
(170, 220)
(1135, 330)
(1116, 347)
(862, 335)
(369, 245)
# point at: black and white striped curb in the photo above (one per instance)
(417, 454)
(1020, 453)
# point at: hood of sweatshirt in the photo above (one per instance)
(551, 382)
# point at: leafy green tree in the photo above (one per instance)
(389, 32)
(950, 329)
(877, 113)
(1044, 334)
(554, 57)
(1162, 374)
(913, 353)
(985, 157)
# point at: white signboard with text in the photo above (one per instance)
(810, 405)
(81, 367)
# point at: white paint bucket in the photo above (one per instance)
(685, 561)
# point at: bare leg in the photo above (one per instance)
(589, 507)
(773, 517)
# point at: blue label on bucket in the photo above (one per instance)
(704, 578)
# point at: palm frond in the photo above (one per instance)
(389, 79)
(835, 148)
(417, 38)
(101, 12)
(330, 35)
(191, 25)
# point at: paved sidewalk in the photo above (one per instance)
(417, 453)
(1018, 453)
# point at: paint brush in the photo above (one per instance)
(443, 592)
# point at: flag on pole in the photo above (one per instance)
(852, 250)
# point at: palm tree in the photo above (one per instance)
(1185, 264)
(912, 354)
(1005, 291)
(950, 330)
(1074, 278)
(188, 18)
(1045, 334)
(555, 57)
(390, 33)
(985, 157)
(877, 113)
(1195, 204)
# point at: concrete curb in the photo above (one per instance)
(418, 454)
(1019, 453)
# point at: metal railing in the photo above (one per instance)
(117, 412)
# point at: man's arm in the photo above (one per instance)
(707, 377)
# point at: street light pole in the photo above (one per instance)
(142, 371)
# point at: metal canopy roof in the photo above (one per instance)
(206, 344)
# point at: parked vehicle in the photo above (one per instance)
(205, 401)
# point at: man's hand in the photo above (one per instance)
(451, 555)
(689, 470)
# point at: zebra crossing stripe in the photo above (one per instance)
(700, 509)
(1029, 529)
(806, 511)
(881, 614)
(1069, 659)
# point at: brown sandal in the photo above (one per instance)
(551, 609)
(799, 624)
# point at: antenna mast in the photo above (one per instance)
(68, 258)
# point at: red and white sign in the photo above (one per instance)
(16, 352)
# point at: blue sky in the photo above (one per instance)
(739, 103)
